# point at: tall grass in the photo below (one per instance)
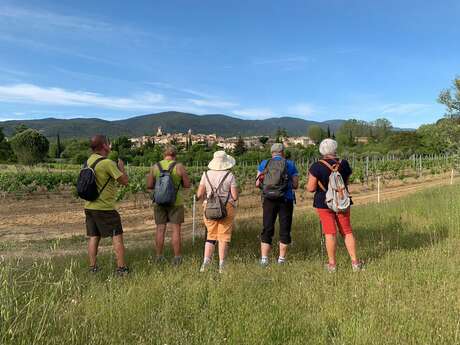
(409, 293)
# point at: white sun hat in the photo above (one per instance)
(221, 161)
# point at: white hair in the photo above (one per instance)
(328, 147)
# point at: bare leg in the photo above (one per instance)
(176, 239)
(119, 249)
(265, 249)
(160, 239)
(223, 250)
(208, 250)
(93, 245)
(331, 248)
(283, 250)
(350, 243)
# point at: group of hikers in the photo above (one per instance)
(277, 178)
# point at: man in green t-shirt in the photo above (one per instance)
(173, 214)
(102, 219)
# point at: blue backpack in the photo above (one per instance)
(165, 192)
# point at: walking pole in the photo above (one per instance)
(322, 239)
(452, 177)
(378, 189)
(193, 221)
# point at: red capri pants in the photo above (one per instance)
(330, 221)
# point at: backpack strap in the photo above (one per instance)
(214, 191)
(334, 167)
(171, 167)
(93, 166)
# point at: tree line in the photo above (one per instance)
(28, 146)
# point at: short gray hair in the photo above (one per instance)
(277, 148)
(328, 147)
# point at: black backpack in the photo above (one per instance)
(275, 179)
(86, 183)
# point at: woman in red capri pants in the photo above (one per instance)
(319, 175)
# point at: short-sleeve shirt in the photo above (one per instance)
(216, 177)
(291, 170)
(106, 170)
(322, 172)
(177, 179)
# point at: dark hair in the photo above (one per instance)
(98, 141)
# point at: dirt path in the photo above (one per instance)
(47, 218)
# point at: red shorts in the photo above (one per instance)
(330, 221)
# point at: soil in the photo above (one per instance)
(29, 226)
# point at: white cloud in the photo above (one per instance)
(28, 93)
(301, 109)
(212, 103)
(255, 113)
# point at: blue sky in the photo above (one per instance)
(316, 60)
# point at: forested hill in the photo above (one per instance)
(171, 122)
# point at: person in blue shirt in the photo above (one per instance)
(282, 207)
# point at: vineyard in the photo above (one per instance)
(21, 180)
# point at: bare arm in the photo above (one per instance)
(258, 179)
(312, 183)
(234, 192)
(180, 169)
(150, 181)
(201, 192)
(123, 179)
(295, 182)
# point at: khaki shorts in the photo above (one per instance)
(168, 214)
(221, 230)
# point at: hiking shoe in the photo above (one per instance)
(357, 266)
(204, 267)
(281, 261)
(330, 268)
(263, 263)
(122, 271)
(177, 260)
(221, 268)
(93, 269)
(160, 260)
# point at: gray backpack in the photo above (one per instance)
(216, 209)
(275, 179)
(337, 196)
(165, 192)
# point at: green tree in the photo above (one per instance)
(315, 133)
(19, 128)
(6, 153)
(451, 99)
(240, 147)
(263, 140)
(30, 146)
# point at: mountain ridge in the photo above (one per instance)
(171, 122)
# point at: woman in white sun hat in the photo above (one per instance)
(219, 182)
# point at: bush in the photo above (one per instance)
(30, 146)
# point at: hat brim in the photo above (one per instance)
(218, 164)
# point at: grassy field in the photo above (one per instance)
(409, 293)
